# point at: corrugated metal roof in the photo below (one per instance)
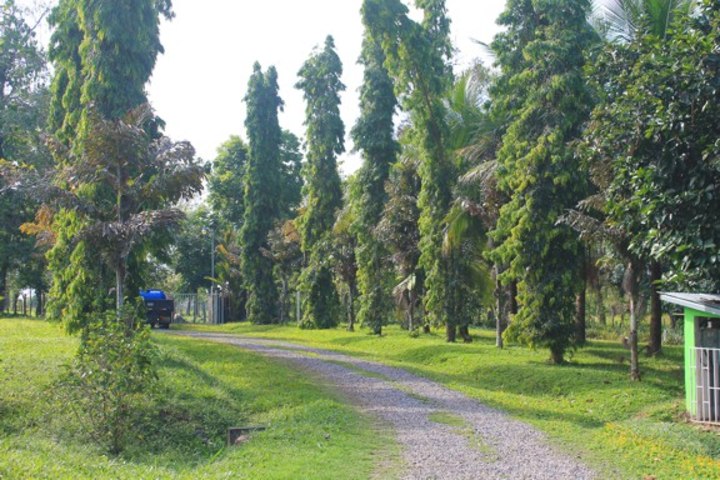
(702, 302)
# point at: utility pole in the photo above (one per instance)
(212, 259)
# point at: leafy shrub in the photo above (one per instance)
(112, 374)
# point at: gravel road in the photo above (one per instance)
(482, 443)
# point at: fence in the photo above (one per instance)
(199, 308)
(707, 378)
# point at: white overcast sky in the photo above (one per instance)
(211, 45)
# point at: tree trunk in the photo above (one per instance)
(465, 334)
(500, 311)
(450, 333)
(351, 310)
(630, 284)
(39, 312)
(24, 300)
(655, 310)
(120, 274)
(557, 356)
(283, 300)
(580, 320)
(513, 297)
(634, 361)
(581, 301)
(600, 301)
(3, 289)
(119, 287)
(411, 312)
(15, 300)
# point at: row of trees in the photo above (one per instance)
(588, 151)
(23, 112)
(590, 148)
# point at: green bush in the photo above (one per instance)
(112, 374)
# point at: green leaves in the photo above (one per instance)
(262, 182)
(541, 57)
(113, 371)
(658, 128)
(227, 179)
(417, 57)
(321, 86)
(374, 138)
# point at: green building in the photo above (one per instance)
(702, 353)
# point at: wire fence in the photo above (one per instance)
(199, 308)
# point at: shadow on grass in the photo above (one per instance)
(178, 428)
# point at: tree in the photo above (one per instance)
(373, 136)
(287, 256)
(120, 157)
(321, 86)
(539, 170)
(227, 181)
(192, 255)
(661, 185)
(398, 229)
(228, 273)
(23, 111)
(291, 157)
(474, 210)
(417, 57)
(476, 129)
(344, 260)
(104, 54)
(262, 184)
(625, 21)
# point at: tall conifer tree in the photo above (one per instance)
(418, 59)
(262, 202)
(538, 168)
(104, 53)
(373, 136)
(321, 86)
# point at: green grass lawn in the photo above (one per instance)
(589, 407)
(311, 433)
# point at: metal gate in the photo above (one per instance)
(707, 375)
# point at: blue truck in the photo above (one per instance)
(159, 308)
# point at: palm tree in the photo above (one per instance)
(625, 20)
(475, 136)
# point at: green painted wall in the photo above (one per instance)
(690, 379)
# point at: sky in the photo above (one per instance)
(211, 45)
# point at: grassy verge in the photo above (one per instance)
(311, 433)
(625, 430)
